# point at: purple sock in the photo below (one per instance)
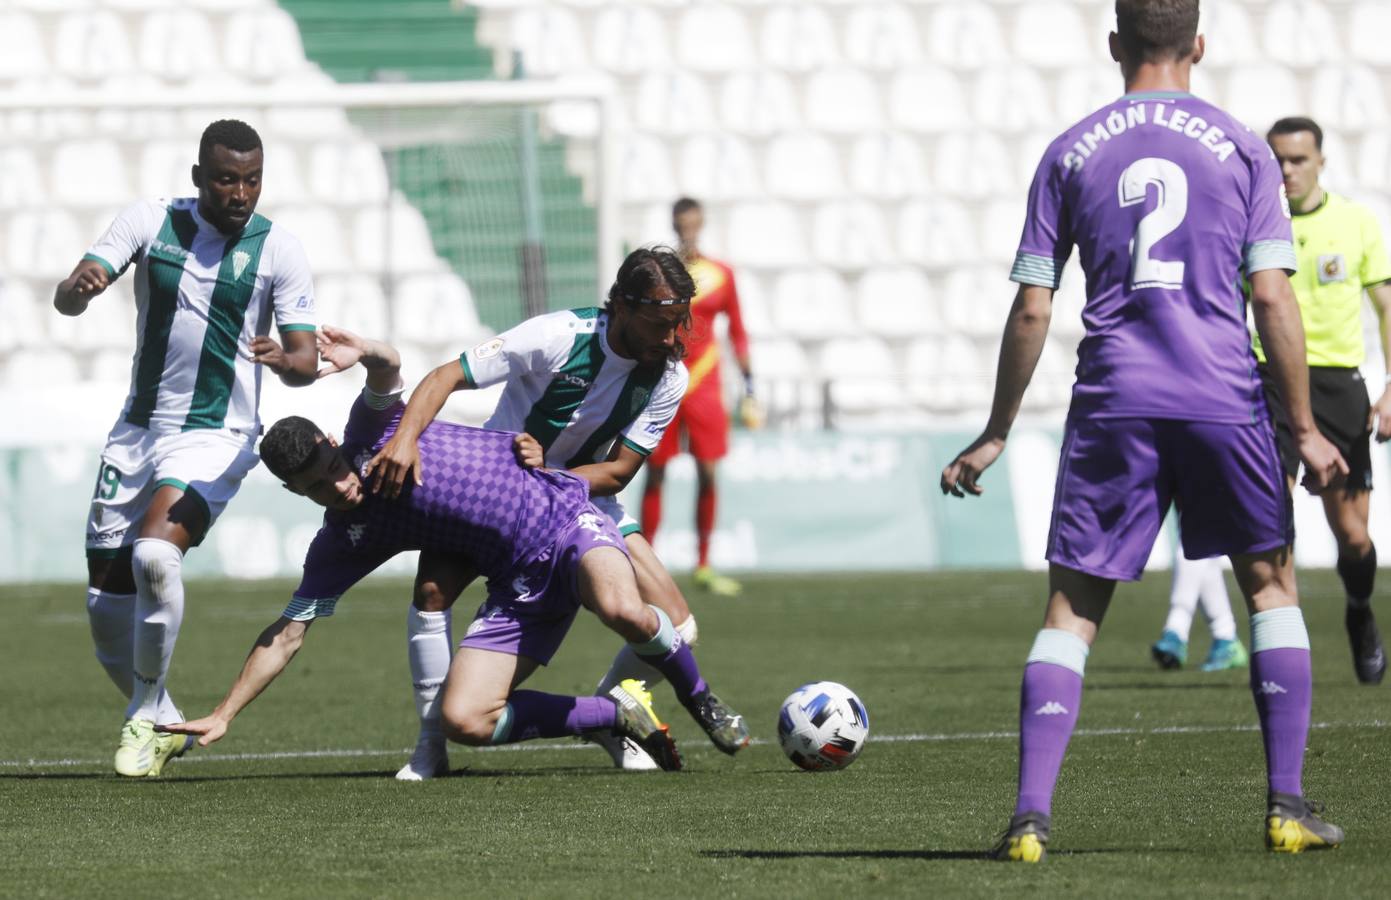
(1048, 702)
(1283, 687)
(678, 664)
(532, 714)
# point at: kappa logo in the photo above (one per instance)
(355, 533)
(592, 523)
(1051, 708)
(240, 260)
(1270, 687)
(523, 592)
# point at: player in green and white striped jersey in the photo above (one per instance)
(211, 277)
(592, 390)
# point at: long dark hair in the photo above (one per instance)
(642, 272)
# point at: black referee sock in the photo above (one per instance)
(1358, 576)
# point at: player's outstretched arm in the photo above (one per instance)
(1025, 331)
(611, 476)
(296, 363)
(400, 456)
(1276, 312)
(341, 349)
(269, 656)
(1380, 423)
(88, 279)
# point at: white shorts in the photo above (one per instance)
(610, 507)
(208, 464)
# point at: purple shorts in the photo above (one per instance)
(528, 612)
(1117, 478)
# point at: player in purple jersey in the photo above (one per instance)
(543, 547)
(1169, 201)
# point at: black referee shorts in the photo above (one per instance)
(1341, 406)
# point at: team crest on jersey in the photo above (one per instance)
(640, 398)
(240, 260)
(487, 349)
(1332, 267)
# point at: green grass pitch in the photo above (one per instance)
(1162, 792)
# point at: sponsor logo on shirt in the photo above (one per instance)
(576, 380)
(487, 349)
(304, 303)
(169, 249)
(1332, 267)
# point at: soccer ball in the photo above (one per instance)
(823, 726)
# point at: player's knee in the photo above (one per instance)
(156, 564)
(688, 631)
(472, 727)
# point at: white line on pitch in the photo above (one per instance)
(577, 745)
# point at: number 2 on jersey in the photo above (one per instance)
(1172, 185)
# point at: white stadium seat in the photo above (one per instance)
(719, 167)
(851, 234)
(968, 373)
(262, 44)
(973, 164)
(347, 172)
(714, 37)
(1301, 33)
(353, 302)
(646, 168)
(1259, 94)
(922, 371)
(1348, 97)
(882, 36)
(320, 231)
(1002, 221)
(862, 375)
(843, 101)
(166, 166)
(935, 232)
(1373, 161)
(754, 306)
(802, 167)
(436, 310)
(759, 103)
(672, 103)
(766, 234)
(1029, 150)
(629, 39)
(1231, 38)
(966, 36)
(92, 46)
(24, 315)
(396, 241)
(280, 176)
(812, 304)
(46, 367)
(887, 166)
(21, 183)
(1081, 90)
(896, 302)
(1368, 25)
(797, 38)
(927, 99)
(550, 40)
(1011, 99)
(975, 300)
(177, 44)
(21, 47)
(1051, 35)
(90, 173)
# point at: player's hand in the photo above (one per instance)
(528, 450)
(208, 729)
(751, 413)
(267, 352)
(959, 478)
(1324, 466)
(339, 348)
(90, 282)
(1379, 419)
(393, 464)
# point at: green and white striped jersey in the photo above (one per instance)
(569, 390)
(201, 297)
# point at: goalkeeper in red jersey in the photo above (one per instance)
(702, 418)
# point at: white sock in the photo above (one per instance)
(1183, 594)
(429, 647)
(1217, 606)
(159, 610)
(112, 619)
(626, 663)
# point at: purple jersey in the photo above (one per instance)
(1169, 201)
(477, 501)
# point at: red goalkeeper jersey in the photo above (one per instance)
(715, 294)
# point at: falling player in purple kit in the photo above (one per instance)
(1168, 201)
(544, 548)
